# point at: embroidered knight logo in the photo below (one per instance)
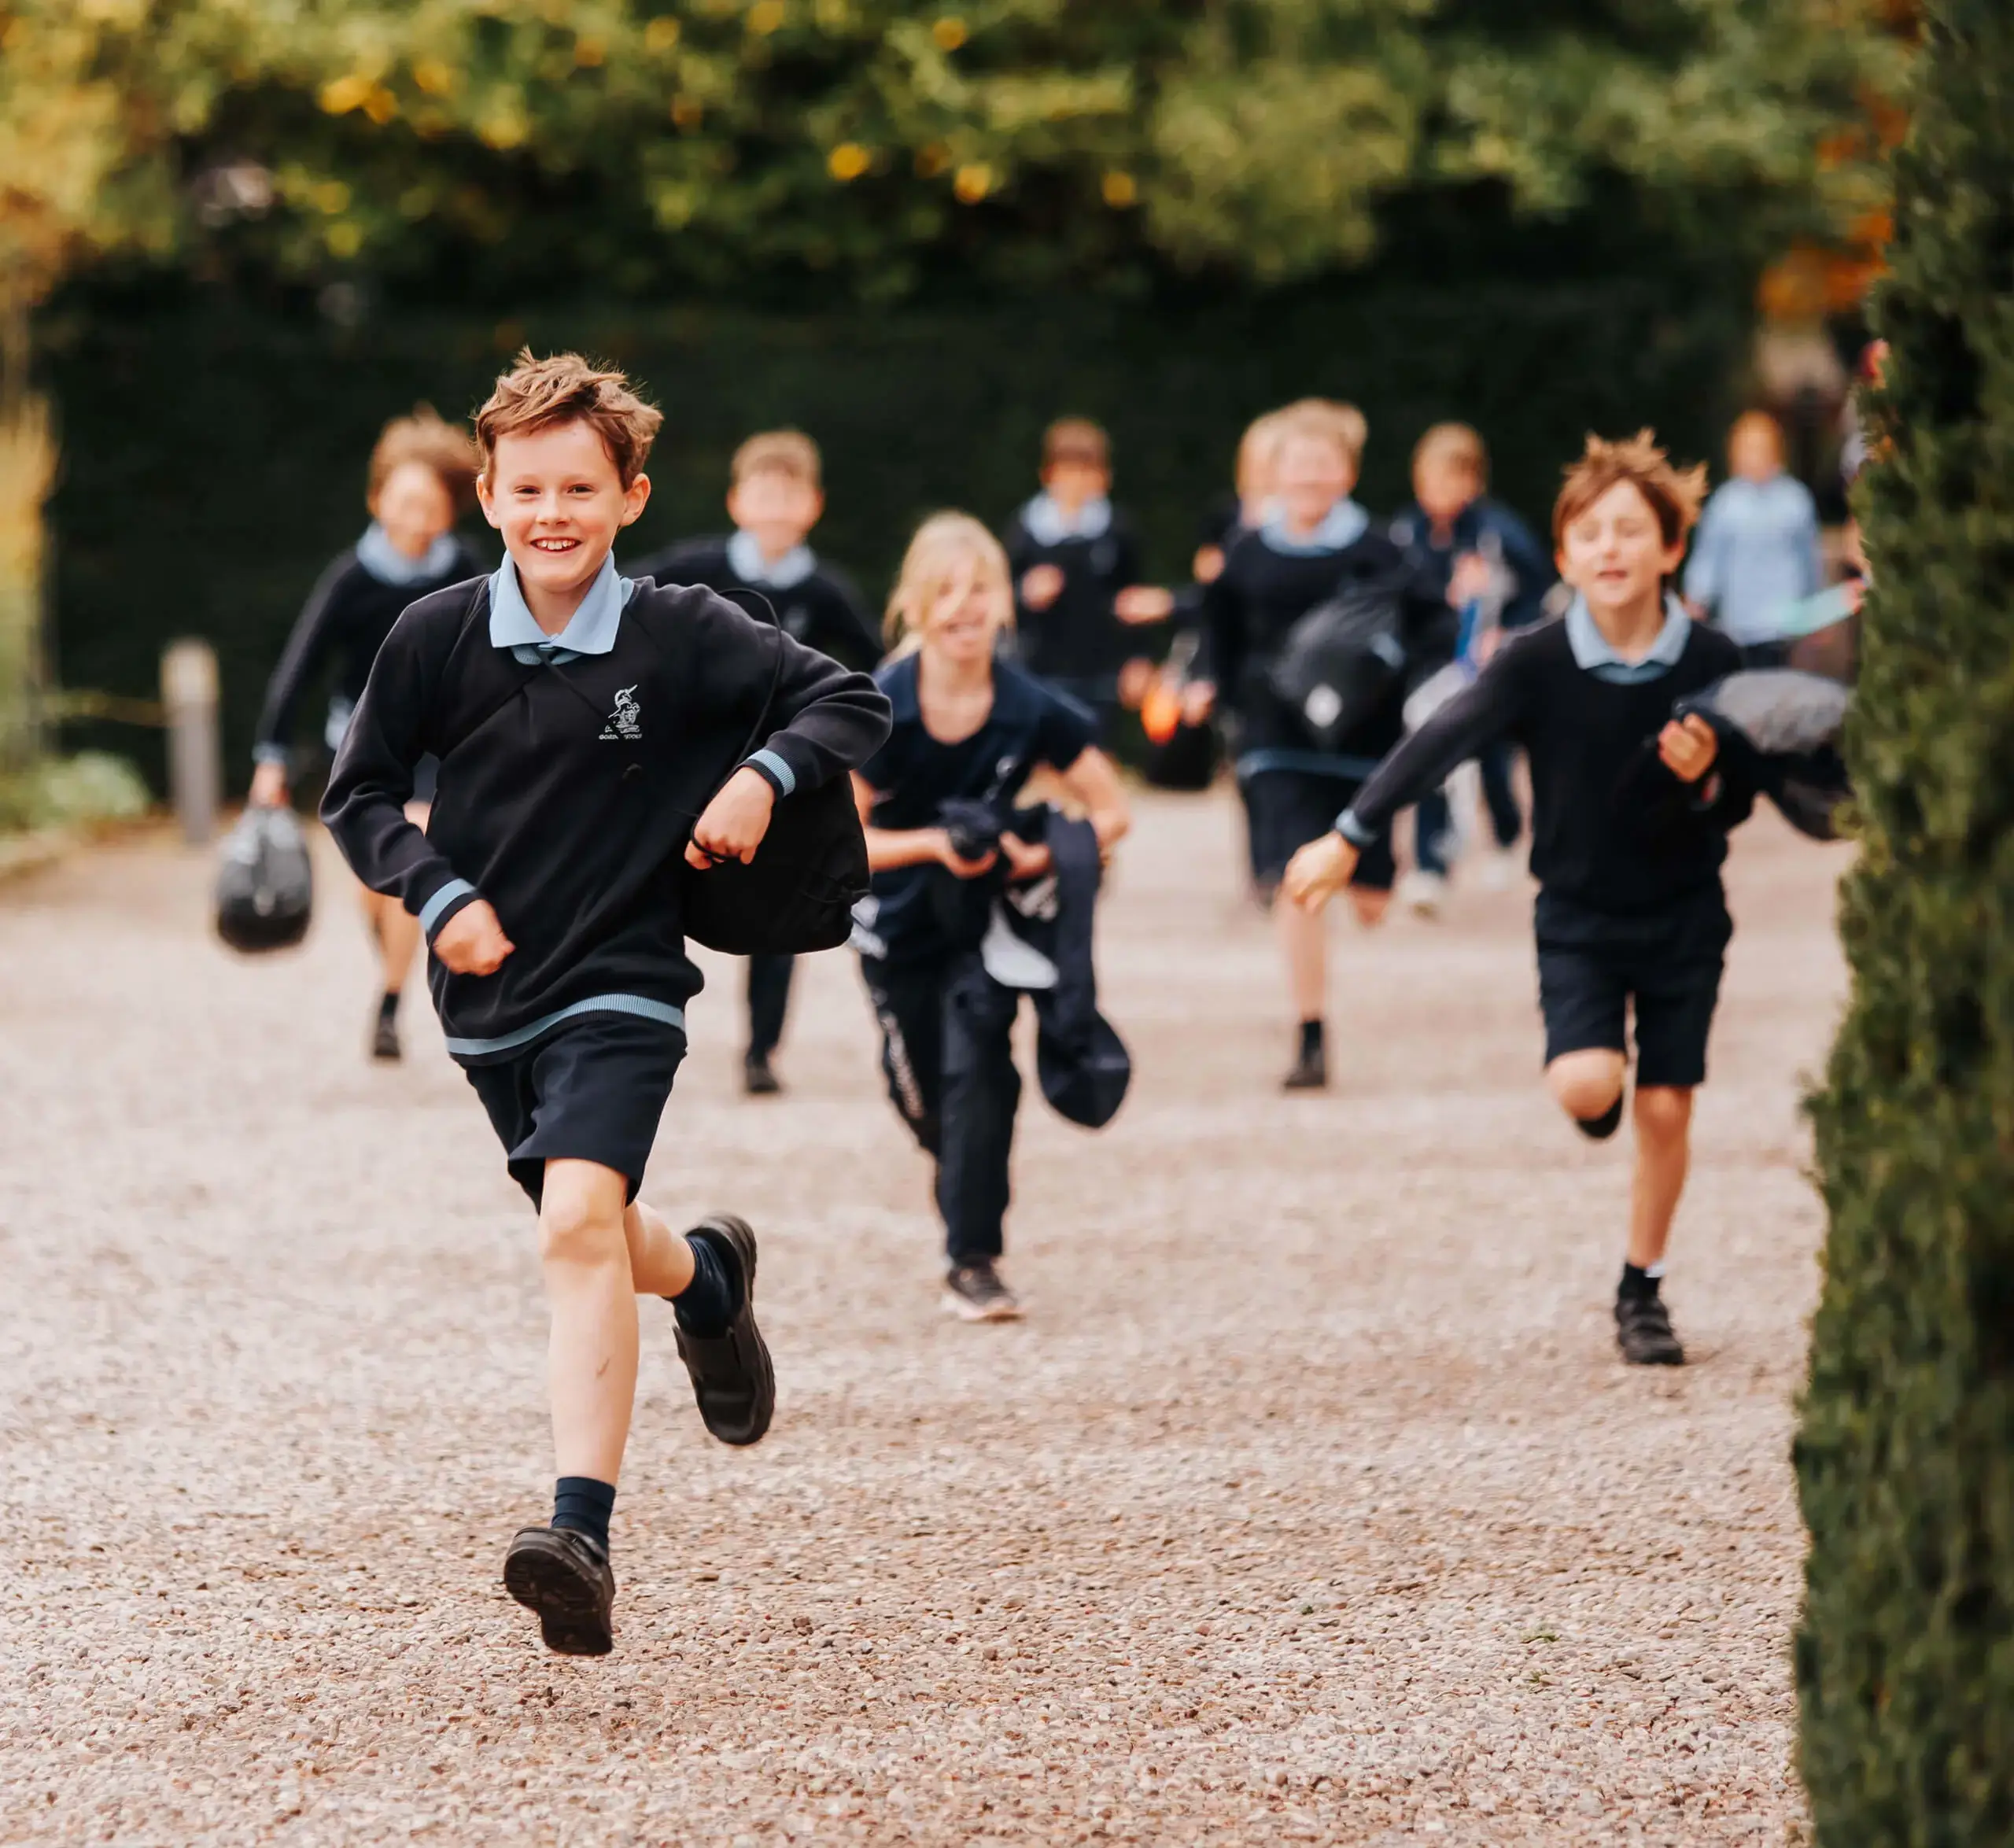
(626, 722)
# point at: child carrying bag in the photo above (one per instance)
(798, 893)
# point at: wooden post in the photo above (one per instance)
(195, 763)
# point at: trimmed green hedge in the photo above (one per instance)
(213, 457)
(1906, 1458)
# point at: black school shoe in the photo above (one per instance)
(732, 1380)
(1643, 1333)
(1309, 1071)
(385, 1038)
(978, 1292)
(758, 1076)
(567, 1578)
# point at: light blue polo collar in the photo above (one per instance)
(1594, 654)
(377, 554)
(1342, 526)
(744, 557)
(1048, 524)
(591, 629)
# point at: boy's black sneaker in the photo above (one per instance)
(1643, 1333)
(385, 1038)
(977, 1292)
(567, 1578)
(1309, 1071)
(758, 1076)
(732, 1380)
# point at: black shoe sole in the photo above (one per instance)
(1663, 1357)
(543, 1574)
(761, 1084)
(743, 1342)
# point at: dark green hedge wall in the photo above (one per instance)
(1906, 1458)
(213, 456)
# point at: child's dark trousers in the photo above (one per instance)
(947, 1050)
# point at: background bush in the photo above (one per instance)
(214, 456)
(1905, 1459)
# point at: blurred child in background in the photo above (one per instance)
(1076, 570)
(968, 730)
(1757, 551)
(421, 479)
(1484, 559)
(775, 496)
(1244, 509)
(1313, 540)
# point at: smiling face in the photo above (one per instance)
(1614, 555)
(968, 608)
(1311, 474)
(555, 496)
(778, 506)
(414, 508)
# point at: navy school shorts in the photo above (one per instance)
(1595, 967)
(593, 1089)
(1285, 809)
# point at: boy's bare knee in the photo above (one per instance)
(1663, 1111)
(1584, 1084)
(580, 1217)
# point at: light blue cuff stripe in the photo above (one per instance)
(1354, 831)
(431, 913)
(777, 769)
(269, 753)
(641, 1005)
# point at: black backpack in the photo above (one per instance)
(265, 891)
(1345, 658)
(798, 893)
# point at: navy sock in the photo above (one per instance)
(713, 1299)
(387, 1004)
(1310, 1038)
(1640, 1284)
(584, 1505)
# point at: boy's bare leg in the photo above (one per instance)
(660, 1260)
(591, 1360)
(1369, 904)
(398, 940)
(1664, 1148)
(1304, 941)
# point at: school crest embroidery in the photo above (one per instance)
(625, 724)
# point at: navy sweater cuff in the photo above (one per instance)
(774, 770)
(456, 895)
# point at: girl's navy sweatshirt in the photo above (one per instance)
(348, 615)
(568, 790)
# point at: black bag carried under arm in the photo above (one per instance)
(1343, 659)
(797, 895)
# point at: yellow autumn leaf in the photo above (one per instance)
(848, 161)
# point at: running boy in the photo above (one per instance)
(1313, 541)
(582, 721)
(775, 498)
(1483, 558)
(1630, 910)
(422, 479)
(1076, 569)
(967, 729)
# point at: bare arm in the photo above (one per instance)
(1095, 783)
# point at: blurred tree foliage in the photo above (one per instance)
(484, 148)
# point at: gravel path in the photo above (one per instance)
(1310, 1505)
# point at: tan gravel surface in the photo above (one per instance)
(1311, 1504)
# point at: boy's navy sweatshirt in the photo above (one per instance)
(572, 769)
(349, 614)
(1268, 583)
(818, 604)
(1078, 641)
(1612, 829)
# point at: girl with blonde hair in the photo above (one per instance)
(937, 801)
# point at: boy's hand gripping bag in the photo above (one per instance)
(265, 890)
(1788, 725)
(1341, 661)
(797, 895)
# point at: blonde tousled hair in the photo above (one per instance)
(942, 542)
